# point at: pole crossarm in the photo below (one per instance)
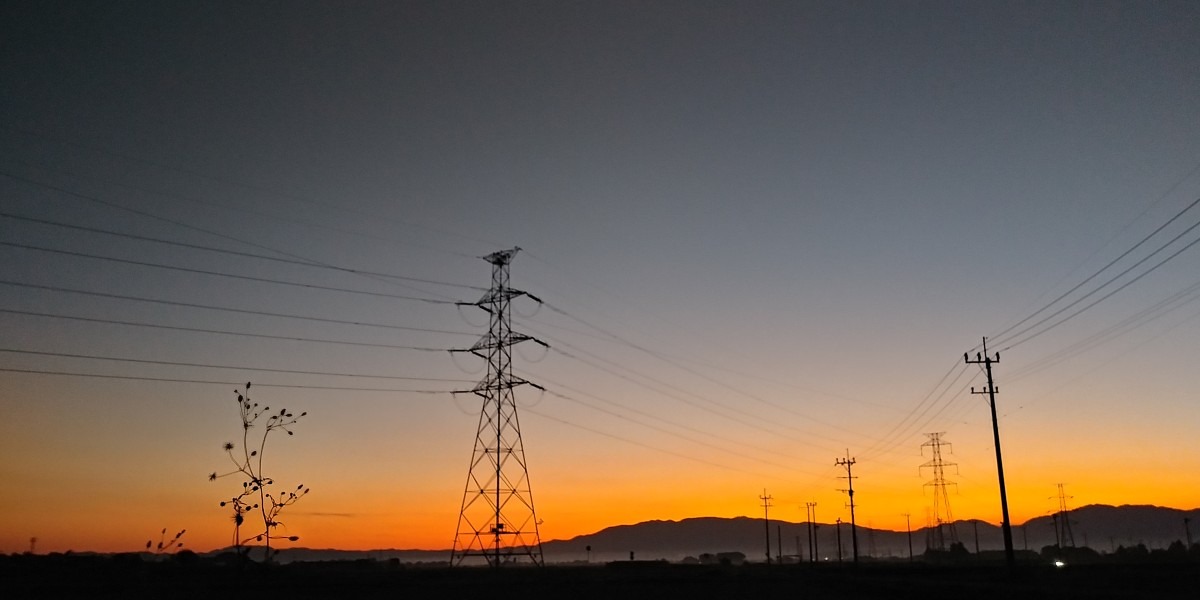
(486, 387)
(494, 296)
(490, 341)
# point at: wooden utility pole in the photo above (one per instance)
(766, 502)
(991, 391)
(908, 527)
(848, 463)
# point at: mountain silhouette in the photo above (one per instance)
(1100, 527)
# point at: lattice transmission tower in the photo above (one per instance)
(1066, 539)
(497, 521)
(943, 532)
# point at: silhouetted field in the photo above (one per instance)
(131, 577)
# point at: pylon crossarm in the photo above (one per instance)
(496, 296)
(490, 342)
(483, 387)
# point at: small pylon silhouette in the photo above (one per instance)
(943, 532)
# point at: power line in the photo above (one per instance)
(221, 331)
(906, 425)
(957, 397)
(241, 209)
(1173, 329)
(1092, 304)
(669, 432)
(225, 308)
(210, 381)
(143, 213)
(655, 418)
(1160, 309)
(699, 402)
(186, 225)
(1011, 344)
(662, 357)
(999, 335)
(690, 457)
(242, 184)
(212, 366)
(676, 360)
(691, 371)
(303, 263)
(613, 339)
(223, 274)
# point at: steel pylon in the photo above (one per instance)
(943, 533)
(497, 521)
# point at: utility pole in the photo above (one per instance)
(1187, 532)
(766, 502)
(908, 528)
(1058, 543)
(839, 538)
(811, 512)
(816, 546)
(497, 520)
(991, 391)
(976, 523)
(848, 462)
(779, 543)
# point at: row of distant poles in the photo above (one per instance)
(943, 531)
(497, 521)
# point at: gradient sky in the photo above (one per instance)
(769, 230)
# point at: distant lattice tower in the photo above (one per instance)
(497, 521)
(943, 532)
(1065, 536)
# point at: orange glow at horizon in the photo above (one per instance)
(387, 523)
(70, 500)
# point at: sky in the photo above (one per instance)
(763, 234)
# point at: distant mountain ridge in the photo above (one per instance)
(1101, 527)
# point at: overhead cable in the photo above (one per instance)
(226, 308)
(212, 366)
(288, 338)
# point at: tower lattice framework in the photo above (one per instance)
(497, 521)
(1066, 539)
(943, 532)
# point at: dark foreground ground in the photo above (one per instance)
(109, 577)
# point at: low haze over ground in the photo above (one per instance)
(765, 233)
